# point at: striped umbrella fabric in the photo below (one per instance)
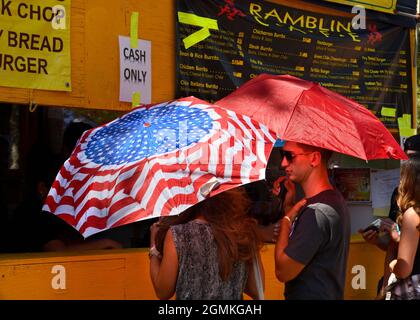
(157, 160)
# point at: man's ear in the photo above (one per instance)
(316, 159)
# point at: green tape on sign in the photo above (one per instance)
(407, 132)
(200, 35)
(404, 125)
(133, 30)
(407, 118)
(135, 99)
(388, 112)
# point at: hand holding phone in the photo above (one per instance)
(374, 225)
(370, 227)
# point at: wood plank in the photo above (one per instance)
(124, 274)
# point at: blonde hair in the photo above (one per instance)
(409, 188)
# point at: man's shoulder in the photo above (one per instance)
(319, 213)
(329, 206)
(327, 196)
(327, 200)
(322, 208)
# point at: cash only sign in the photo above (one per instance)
(35, 44)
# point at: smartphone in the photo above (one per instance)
(374, 225)
(374, 228)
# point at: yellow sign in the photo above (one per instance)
(378, 5)
(35, 44)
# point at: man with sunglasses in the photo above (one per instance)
(313, 241)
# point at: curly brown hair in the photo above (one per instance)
(234, 231)
(409, 188)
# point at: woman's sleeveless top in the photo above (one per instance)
(198, 273)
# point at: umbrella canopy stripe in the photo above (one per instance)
(103, 182)
(156, 161)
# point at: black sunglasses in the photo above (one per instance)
(290, 156)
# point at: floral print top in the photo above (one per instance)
(198, 273)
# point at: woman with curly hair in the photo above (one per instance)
(207, 251)
(406, 267)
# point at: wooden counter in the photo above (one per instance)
(124, 274)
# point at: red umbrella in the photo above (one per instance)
(304, 111)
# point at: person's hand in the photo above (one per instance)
(153, 231)
(267, 233)
(276, 186)
(293, 211)
(290, 216)
(291, 191)
(392, 228)
(370, 236)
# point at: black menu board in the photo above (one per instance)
(224, 43)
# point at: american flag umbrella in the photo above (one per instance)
(157, 160)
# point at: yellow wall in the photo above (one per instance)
(124, 274)
(95, 27)
(119, 274)
(372, 259)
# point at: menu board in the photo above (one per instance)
(354, 183)
(224, 43)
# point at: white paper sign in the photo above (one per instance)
(383, 183)
(135, 70)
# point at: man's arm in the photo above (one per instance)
(286, 267)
